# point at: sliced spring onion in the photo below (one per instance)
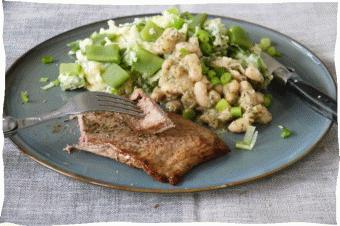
(51, 84)
(151, 31)
(109, 53)
(239, 37)
(249, 134)
(43, 79)
(285, 132)
(147, 63)
(189, 114)
(236, 112)
(115, 76)
(47, 59)
(225, 78)
(222, 105)
(69, 68)
(249, 139)
(265, 43)
(24, 97)
(267, 100)
(242, 145)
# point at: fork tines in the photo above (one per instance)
(118, 104)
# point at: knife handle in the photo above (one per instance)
(319, 101)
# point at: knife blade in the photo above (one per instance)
(287, 79)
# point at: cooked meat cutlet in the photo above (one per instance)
(165, 156)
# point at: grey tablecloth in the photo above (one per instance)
(303, 192)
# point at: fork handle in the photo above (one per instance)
(10, 125)
(319, 101)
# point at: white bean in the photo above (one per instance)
(192, 64)
(233, 86)
(214, 97)
(245, 85)
(201, 94)
(253, 73)
(239, 125)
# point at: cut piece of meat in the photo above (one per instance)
(166, 156)
(165, 146)
(155, 119)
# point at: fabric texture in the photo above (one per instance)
(35, 195)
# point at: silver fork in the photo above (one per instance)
(84, 102)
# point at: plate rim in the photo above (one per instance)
(89, 180)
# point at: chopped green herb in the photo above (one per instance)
(265, 43)
(197, 21)
(236, 112)
(273, 52)
(203, 35)
(74, 46)
(43, 79)
(285, 132)
(183, 52)
(24, 97)
(239, 37)
(267, 100)
(114, 91)
(100, 39)
(187, 16)
(206, 48)
(47, 59)
(205, 68)
(177, 23)
(211, 74)
(225, 78)
(189, 114)
(219, 71)
(222, 105)
(173, 10)
(56, 82)
(215, 81)
(140, 26)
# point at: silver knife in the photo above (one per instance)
(289, 79)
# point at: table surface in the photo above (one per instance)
(303, 192)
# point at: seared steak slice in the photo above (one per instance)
(155, 120)
(166, 156)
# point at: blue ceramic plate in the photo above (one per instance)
(45, 143)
